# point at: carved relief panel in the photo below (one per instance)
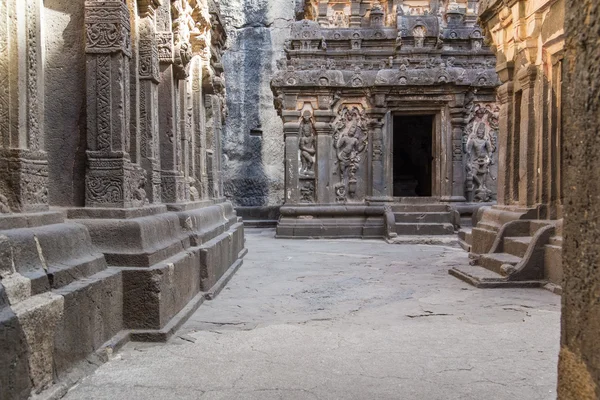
(350, 140)
(480, 150)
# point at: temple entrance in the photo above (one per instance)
(412, 155)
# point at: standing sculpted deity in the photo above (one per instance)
(350, 141)
(479, 158)
(307, 144)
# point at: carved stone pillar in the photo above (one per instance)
(23, 161)
(149, 76)
(457, 121)
(379, 187)
(172, 179)
(527, 137)
(110, 181)
(291, 128)
(505, 174)
(323, 181)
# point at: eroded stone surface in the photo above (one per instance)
(347, 320)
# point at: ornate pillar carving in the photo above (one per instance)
(379, 188)
(323, 179)
(110, 178)
(172, 178)
(291, 128)
(23, 161)
(457, 122)
(149, 76)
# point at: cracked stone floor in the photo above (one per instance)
(347, 319)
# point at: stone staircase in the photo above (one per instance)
(420, 219)
(516, 258)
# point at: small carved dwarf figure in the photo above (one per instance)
(307, 144)
(479, 153)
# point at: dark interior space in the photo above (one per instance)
(412, 155)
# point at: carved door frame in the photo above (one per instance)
(438, 147)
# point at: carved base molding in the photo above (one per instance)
(23, 181)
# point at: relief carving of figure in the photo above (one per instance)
(307, 145)
(350, 141)
(479, 159)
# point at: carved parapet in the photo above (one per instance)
(108, 27)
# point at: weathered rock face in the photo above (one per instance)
(252, 145)
(579, 366)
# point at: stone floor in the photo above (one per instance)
(347, 319)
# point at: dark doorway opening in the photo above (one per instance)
(413, 155)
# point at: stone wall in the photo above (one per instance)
(252, 142)
(579, 365)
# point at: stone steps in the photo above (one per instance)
(486, 279)
(517, 246)
(423, 217)
(424, 228)
(422, 208)
(495, 261)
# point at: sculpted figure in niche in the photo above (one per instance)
(307, 145)
(479, 158)
(350, 141)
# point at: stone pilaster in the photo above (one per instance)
(110, 178)
(505, 149)
(291, 128)
(457, 122)
(527, 172)
(172, 178)
(379, 187)
(23, 161)
(149, 77)
(323, 177)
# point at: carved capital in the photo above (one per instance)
(107, 27)
(147, 8)
(527, 75)
(148, 60)
(164, 41)
(505, 92)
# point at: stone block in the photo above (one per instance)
(14, 355)
(39, 317)
(93, 314)
(152, 296)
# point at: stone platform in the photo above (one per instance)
(74, 290)
(367, 221)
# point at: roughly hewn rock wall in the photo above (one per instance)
(579, 365)
(253, 138)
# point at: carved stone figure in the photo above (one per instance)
(479, 158)
(350, 141)
(307, 145)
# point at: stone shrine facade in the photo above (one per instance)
(389, 112)
(520, 239)
(113, 224)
